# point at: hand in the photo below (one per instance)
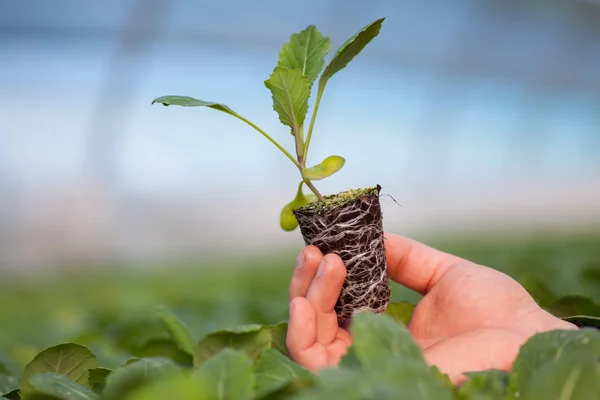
(471, 317)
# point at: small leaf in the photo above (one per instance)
(549, 347)
(164, 347)
(186, 101)
(378, 339)
(401, 312)
(13, 395)
(575, 377)
(97, 378)
(287, 219)
(484, 385)
(137, 373)
(583, 321)
(327, 167)
(290, 92)
(350, 49)
(227, 376)
(8, 384)
(250, 339)
(70, 359)
(278, 338)
(177, 330)
(306, 51)
(274, 371)
(61, 386)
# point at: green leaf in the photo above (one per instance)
(350, 49)
(178, 331)
(13, 395)
(576, 376)
(583, 321)
(401, 312)
(8, 384)
(70, 359)
(227, 376)
(8, 366)
(484, 385)
(274, 371)
(327, 167)
(186, 101)
(250, 339)
(574, 305)
(97, 378)
(278, 338)
(378, 339)
(61, 386)
(290, 92)
(306, 51)
(287, 219)
(164, 347)
(138, 373)
(550, 347)
(176, 387)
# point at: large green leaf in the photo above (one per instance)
(177, 387)
(575, 376)
(551, 347)
(137, 373)
(227, 376)
(350, 49)
(274, 371)
(575, 305)
(484, 385)
(287, 219)
(61, 386)
(8, 384)
(178, 331)
(401, 312)
(378, 339)
(583, 321)
(290, 92)
(327, 167)
(186, 101)
(306, 51)
(70, 359)
(250, 339)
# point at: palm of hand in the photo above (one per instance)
(471, 317)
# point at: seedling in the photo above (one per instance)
(348, 223)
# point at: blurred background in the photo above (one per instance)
(479, 118)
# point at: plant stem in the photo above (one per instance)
(314, 190)
(299, 136)
(265, 134)
(312, 120)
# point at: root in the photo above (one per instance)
(354, 231)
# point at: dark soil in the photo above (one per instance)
(350, 225)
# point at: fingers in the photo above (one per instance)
(415, 265)
(323, 294)
(302, 328)
(307, 263)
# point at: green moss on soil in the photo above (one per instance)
(340, 199)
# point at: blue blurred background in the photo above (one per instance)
(473, 115)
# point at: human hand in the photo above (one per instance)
(471, 317)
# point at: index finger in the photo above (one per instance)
(414, 264)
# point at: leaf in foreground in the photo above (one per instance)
(178, 331)
(136, 374)
(290, 92)
(180, 386)
(575, 376)
(278, 337)
(325, 168)
(274, 371)
(227, 376)
(306, 51)
(550, 347)
(250, 339)
(8, 384)
(379, 339)
(71, 359)
(61, 386)
(97, 378)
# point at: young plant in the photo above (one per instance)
(348, 223)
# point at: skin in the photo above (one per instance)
(471, 317)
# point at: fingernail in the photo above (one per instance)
(300, 259)
(321, 268)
